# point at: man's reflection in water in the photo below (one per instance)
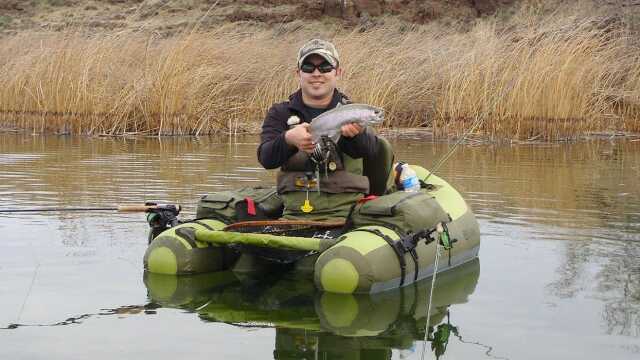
(314, 325)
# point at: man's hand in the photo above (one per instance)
(351, 130)
(300, 137)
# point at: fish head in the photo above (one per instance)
(377, 116)
(369, 115)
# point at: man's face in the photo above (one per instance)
(317, 85)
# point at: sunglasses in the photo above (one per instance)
(309, 68)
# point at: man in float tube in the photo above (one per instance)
(309, 190)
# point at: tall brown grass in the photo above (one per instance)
(540, 77)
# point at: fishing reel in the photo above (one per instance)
(161, 217)
(326, 153)
(323, 149)
(439, 233)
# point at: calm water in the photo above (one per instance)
(558, 276)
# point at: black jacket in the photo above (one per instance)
(274, 151)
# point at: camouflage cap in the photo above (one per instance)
(319, 47)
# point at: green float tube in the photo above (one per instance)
(372, 257)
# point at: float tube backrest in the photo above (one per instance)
(378, 169)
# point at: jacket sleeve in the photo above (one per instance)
(363, 145)
(273, 150)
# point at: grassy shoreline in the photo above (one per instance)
(547, 78)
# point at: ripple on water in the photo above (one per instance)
(256, 168)
(6, 159)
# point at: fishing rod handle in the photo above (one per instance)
(135, 208)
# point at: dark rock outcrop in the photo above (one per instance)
(16, 5)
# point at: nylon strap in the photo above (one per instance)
(414, 256)
(251, 206)
(399, 249)
(367, 198)
(187, 234)
(203, 224)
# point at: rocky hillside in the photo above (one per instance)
(168, 15)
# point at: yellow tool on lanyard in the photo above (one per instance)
(307, 208)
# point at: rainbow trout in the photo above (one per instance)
(330, 122)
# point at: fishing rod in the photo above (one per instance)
(478, 120)
(147, 207)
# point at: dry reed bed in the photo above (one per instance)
(551, 79)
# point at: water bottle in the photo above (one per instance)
(408, 180)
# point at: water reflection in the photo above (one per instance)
(323, 325)
(71, 171)
(586, 195)
(617, 285)
(585, 187)
(561, 222)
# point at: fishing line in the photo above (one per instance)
(489, 348)
(478, 120)
(24, 302)
(433, 283)
(33, 280)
